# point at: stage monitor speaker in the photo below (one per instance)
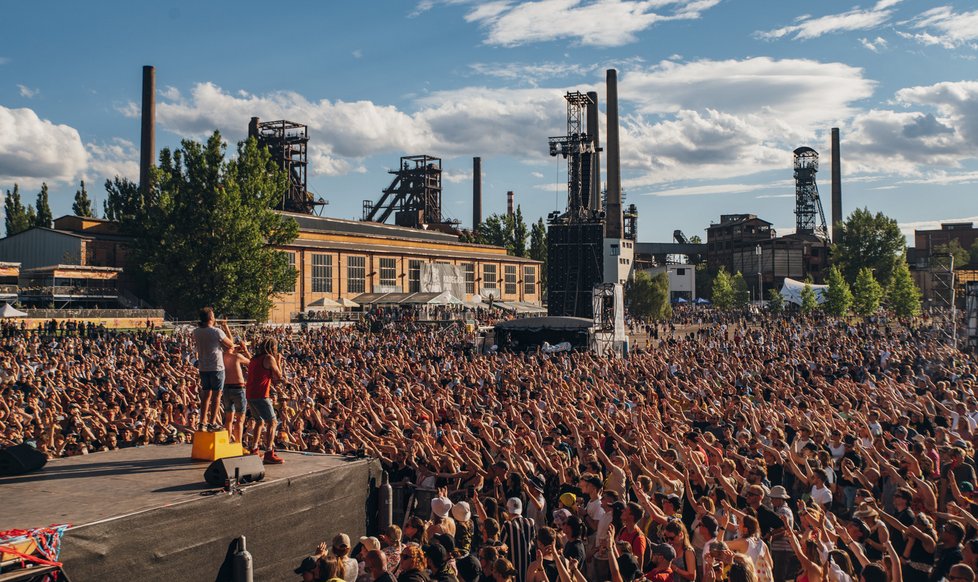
(249, 468)
(20, 459)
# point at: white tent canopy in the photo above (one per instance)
(445, 298)
(8, 311)
(324, 304)
(791, 291)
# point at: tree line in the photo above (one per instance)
(18, 217)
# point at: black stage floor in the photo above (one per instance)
(147, 510)
(90, 488)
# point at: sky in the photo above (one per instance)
(714, 97)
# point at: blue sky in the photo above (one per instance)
(715, 95)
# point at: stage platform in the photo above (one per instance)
(147, 512)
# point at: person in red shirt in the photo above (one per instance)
(662, 557)
(263, 370)
(631, 533)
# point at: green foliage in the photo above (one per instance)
(868, 241)
(903, 294)
(648, 297)
(205, 232)
(16, 218)
(83, 204)
(961, 255)
(723, 291)
(696, 239)
(974, 253)
(43, 216)
(809, 302)
(866, 293)
(741, 293)
(503, 230)
(538, 248)
(838, 298)
(775, 301)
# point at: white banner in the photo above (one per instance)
(438, 278)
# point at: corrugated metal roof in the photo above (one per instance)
(421, 252)
(337, 225)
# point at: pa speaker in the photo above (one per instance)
(20, 459)
(246, 468)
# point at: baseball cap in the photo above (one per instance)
(308, 565)
(437, 555)
(370, 543)
(341, 541)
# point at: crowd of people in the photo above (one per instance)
(765, 448)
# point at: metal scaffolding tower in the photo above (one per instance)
(414, 196)
(287, 143)
(577, 147)
(809, 217)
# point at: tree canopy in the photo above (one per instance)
(838, 297)
(723, 291)
(809, 302)
(868, 241)
(15, 214)
(205, 232)
(648, 297)
(43, 216)
(82, 206)
(903, 296)
(867, 293)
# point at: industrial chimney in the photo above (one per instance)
(476, 193)
(510, 209)
(147, 139)
(836, 185)
(592, 130)
(613, 224)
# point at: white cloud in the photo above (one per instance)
(119, 157)
(530, 74)
(457, 176)
(357, 54)
(808, 27)
(710, 189)
(588, 22)
(945, 27)
(27, 92)
(876, 45)
(34, 149)
(537, 175)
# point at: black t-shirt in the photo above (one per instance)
(575, 549)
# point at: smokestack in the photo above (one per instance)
(613, 221)
(476, 193)
(147, 139)
(510, 209)
(592, 130)
(836, 185)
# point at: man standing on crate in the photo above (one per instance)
(211, 342)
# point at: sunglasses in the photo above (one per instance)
(669, 538)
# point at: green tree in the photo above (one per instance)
(648, 297)
(903, 294)
(809, 302)
(868, 241)
(15, 218)
(538, 249)
(205, 233)
(83, 204)
(723, 291)
(953, 248)
(696, 239)
(974, 253)
(123, 198)
(775, 301)
(741, 293)
(866, 293)
(520, 234)
(494, 230)
(838, 297)
(43, 216)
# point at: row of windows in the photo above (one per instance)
(322, 275)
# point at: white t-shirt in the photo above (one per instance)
(823, 496)
(210, 354)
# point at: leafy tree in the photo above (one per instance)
(43, 216)
(538, 248)
(775, 301)
(15, 218)
(868, 241)
(520, 234)
(83, 204)
(809, 302)
(493, 231)
(648, 297)
(838, 298)
(123, 198)
(723, 291)
(867, 293)
(205, 232)
(903, 294)
(961, 255)
(696, 239)
(741, 294)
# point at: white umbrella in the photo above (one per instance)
(344, 302)
(8, 311)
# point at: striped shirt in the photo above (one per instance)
(519, 535)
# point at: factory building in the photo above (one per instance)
(364, 262)
(930, 266)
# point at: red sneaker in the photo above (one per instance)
(272, 459)
(256, 451)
